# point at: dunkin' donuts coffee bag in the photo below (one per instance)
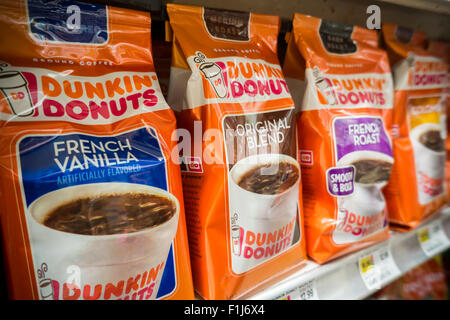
(342, 84)
(417, 187)
(92, 204)
(241, 178)
(442, 50)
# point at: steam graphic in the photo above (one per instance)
(213, 72)
(14, 87)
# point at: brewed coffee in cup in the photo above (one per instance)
(269, 182)
(372, 171)
(108, 214)
(432, 139)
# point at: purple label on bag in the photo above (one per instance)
(360, 134)
(340, 181)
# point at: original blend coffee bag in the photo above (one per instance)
(241, 178)
(417, 187)
(92, 203)
(342, 86)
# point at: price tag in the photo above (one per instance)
(432, 238)
(308, 291)
(369, 273)
(378, 268)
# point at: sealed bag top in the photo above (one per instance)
(229, 92)
(342, 86)
(413, 67)
(400, 40)
(337, 49)
(92, 202)
(227, 39)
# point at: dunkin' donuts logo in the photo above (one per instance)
(260, 246)
(240, 80)
(355, 90)
(430, 186)
(135, 287)
(360, 225)
(426, 72)
(40, 93)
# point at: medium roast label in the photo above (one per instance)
(337, 37)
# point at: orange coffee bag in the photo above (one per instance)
(241, 178)
(342, 85)
(92, 204)
(417, 187)
(442, 50)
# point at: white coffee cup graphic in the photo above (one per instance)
(101, 259)
(427, 161)
(15, 88)
(236, 239)
(213, 73)
(260, 213)
(45, 288)
(366, 202)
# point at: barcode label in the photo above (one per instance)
(308, 291)
(432, 239)
(378, 267)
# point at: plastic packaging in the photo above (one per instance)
(92, 204)
(241, 178)
(416, 189)
(342, 87)
(442, 50)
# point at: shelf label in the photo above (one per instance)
(378, 268)
(307, 291)
(432, 238)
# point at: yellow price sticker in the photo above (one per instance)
(424, 235)
(366, 264)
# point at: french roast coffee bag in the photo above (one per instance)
(417, 187)
(342, 85)
(241, 178)
(92, 204)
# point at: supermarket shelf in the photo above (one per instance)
(354, 277)
(430, 16)
(439, 6)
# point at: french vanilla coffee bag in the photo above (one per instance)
(92, 203)
(417, 187)
(342, 85)
(442, 50)
(241, 178)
